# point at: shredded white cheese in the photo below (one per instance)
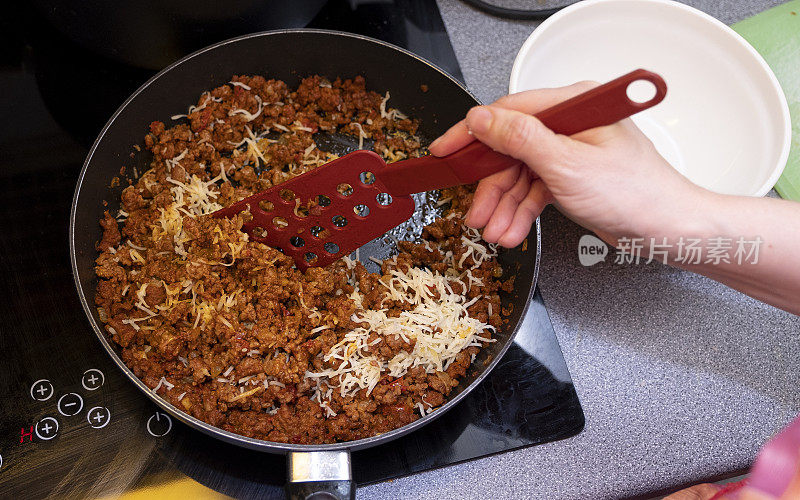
(248, 116)
(240, 84)
(135, 246)
(384, 114)
(439, 324)
(361, 135)
(165, 383)
(391, 114)
(436, 329)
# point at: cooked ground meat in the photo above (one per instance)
(230, 331)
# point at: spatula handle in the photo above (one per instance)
(603, 105)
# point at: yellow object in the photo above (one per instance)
(180, 489)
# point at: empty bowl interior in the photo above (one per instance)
(724, 123)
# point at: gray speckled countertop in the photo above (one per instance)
(681, 379)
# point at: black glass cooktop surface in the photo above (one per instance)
(70, 424)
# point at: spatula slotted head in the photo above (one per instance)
(323, 215)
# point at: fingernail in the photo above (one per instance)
(468, 216)
(479, 119)
(435, 142)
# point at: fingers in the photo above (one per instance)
(521, 136)
(451, 141)
(703, 491)
(488, 195)
(533, 101)
(603, 135)
(528, 210)
(507, 205)
(529, 102)
(503, 215)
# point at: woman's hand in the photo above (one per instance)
(610, 179)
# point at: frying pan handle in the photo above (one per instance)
(320, 475)
(601, 106)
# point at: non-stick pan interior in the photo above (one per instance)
(416, 87)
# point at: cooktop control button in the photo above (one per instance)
(47, 428)
(159, 424)
(70, 404)
(42, 390)
(98, 417)
(92, 379)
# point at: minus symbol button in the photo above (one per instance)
(70, 404)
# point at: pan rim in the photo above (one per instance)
(231, 437)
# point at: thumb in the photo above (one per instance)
(520, 136)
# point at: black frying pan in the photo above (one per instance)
(287, 55)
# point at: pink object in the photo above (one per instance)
(778, 462)
(326, 213)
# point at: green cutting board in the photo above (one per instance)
(775, 34)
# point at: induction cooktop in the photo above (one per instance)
(70, 424)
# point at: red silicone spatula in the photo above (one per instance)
(328, 212)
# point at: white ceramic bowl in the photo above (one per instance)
(724, 123)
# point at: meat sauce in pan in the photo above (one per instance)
(229, 330)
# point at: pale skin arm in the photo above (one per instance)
(707, 491)
(612, 181)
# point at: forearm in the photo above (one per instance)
(760, 238)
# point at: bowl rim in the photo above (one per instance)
(711, 22)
